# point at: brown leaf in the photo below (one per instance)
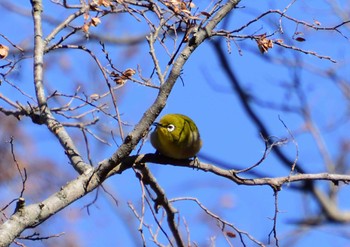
(129, 72)
(230, 234)
(95, 21)
(300, 39)
(86, 27)
(4, 51)
(264, 44)
(183, 6)
(121, 79)
(105, 3)
(205, 13)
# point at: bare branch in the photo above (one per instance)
(23, 174)
(161, 200)
(274, 228)
(46, 116)
(223, 223)
(141, 129)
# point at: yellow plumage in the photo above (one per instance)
(176, 136)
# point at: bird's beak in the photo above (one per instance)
(155, 124)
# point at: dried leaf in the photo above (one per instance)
(95, 21)
(300, 39)
(264, 44)
(175, 2)
(230, 234)
(105, 3)
(129, 72)
(205, 14)
(4, 51)
(178, 6)
(116, 78)
(183, 6)
(86, 27)
(121, 79)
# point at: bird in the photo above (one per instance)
(176, 136)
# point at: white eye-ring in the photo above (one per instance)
(170, 127)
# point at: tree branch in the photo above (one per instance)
(161, 200)
(142, 128)
(45, 114)
(32, 215)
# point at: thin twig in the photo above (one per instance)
(223, 224)
(274, 228)
(22, 174)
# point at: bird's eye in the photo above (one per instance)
(170, 127)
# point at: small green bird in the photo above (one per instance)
(176, 136)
